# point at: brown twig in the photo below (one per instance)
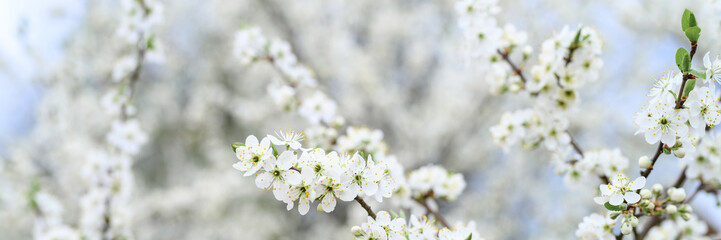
(366, 207)
(437, 215)
(516, 69)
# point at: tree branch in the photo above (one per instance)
(437, 215)
(366, 207)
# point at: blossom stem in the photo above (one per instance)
(653, 161)
(366, 207)
(680, 100)
(437, 215)
(516, 69)
(575, 145)
(681, 179)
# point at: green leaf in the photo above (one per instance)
(236, 145)
(614, 208)
(690, 84)
(577, 39)
(688, 20)
(693, 33)
(683, 60)
(470, 236)
(698, 73)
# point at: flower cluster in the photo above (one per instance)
(435, 181)
(313, 175)
(395, 228)
(705, 163)
(566, 62)
(602, 163)
(679, 124)
(489, 44)
(596, 226)
(531, 128)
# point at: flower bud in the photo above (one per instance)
(320, 208)
(514, 88)
(685, 209)
(644, 162)
(686, 216)
(626, 228)
(644, 203)
(633, 220)
(645, 194)
(677, 194)
(357, 231)
(650, 207)
(527, 51)
(671, 209)
(657, 189)
(679, 153)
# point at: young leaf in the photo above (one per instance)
(470, 236)
(688, 20)
(577, 39)
(690, 84)
(610, 207)
(683, 60)
(698, 73)
(693, 33)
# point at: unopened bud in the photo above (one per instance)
(357, 231)
(686, 216)
(677, 194)
(679, 153)
(633, 221)
(645, 194)
(671, 209)
(626, 229)
(644, 162)
(657, 189)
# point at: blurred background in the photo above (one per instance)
(391, 65)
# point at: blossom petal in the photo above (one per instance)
(264, 180)
(638, 183)
(251, 141)
(328, 203)
(616, 199)
(632, 197)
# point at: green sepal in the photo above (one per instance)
(470, 236)
(275, 151)
(688, 20)
(690, 84)
(667, 151)
(236, 145)
(683, 60)
(615, 208)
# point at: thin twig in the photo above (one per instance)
(513, 66)
(366, 207)
(437, 215)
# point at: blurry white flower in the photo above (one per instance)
(596, 227)
(318, 108)
(127, 136)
